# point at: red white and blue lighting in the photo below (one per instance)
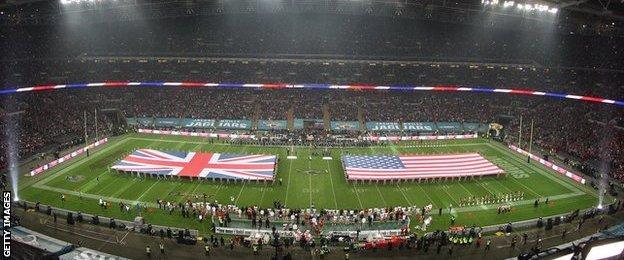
(402, 88)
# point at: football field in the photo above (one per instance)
(305, 182)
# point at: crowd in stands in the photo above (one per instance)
(48, 122)
(313, 34)
(526, 76)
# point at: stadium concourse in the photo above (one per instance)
(429, 100)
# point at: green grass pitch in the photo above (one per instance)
(327, 188)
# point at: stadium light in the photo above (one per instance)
(540, 7)
(10, 136)
(508, 4)
(69, 2)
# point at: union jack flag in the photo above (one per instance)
(386, 167)
(202, 165)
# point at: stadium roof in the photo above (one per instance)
(607, 9)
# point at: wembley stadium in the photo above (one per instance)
(312, 129)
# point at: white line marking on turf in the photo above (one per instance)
(461, 185)
(500, 183)
(427, 195)
(288, 183)
(332, 184)
(528, 188)
(484, 186)
(381, 196)
(240, 192)
(404, 195)
(97, 188)
(148, 189)
(197, 186)
(263, 191)
(358, 196)
(310, 179)
(125, 186)
(521, 166)
(453, 199)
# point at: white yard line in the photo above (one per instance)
(240, 192)
(381, 196)
(262, 196)
(427, 195)
(521, 184)
(310, 177)
(332, 184)
(288, 183)
(358, 197)
(471, 194)
(195, 189)
(125, 187)
(502, 185)
(97, 188)
(485, 187)
(404, 195)
(528, 188)
(310, 190)
(455, 203)
(146, 191)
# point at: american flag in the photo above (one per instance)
(388, 167)
(202, 165)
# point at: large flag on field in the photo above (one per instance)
(388, 167)
(202, 165)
